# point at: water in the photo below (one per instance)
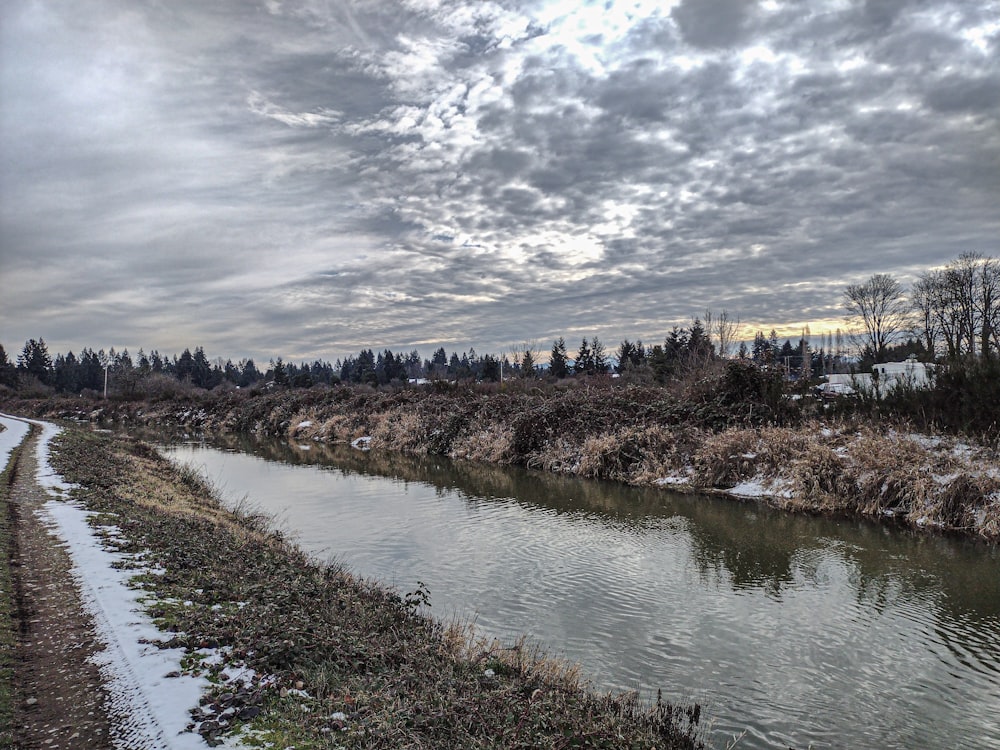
(791, 631)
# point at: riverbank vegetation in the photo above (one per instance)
(305, 654)
(739, 430)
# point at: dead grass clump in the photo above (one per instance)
(339, 428)
(987, 516)
(491, 443)
(893, 474)
(303, 425)
(817, 477)
(605, 456)
(727, 458)
(398, 429)
(633, 454)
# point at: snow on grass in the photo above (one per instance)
(673, 480)
(147, 708)
(753, 488)
(12, 436)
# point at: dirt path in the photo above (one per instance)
(59, 699)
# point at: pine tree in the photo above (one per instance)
(184, 367)
(558, 359)
(584, 364)
(527, 364)
(8, 375)
(601, 366)
(280, 375)
(35, 361)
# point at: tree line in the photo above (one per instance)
(950, 314)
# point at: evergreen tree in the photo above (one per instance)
(490, 368)
(625, 356)
(584, 364)
(699, 346)
(279, 373)
(527, 364)
(8, 374)
(35, 361)
(67, 373)
(91, 371)
(201, 369)
(184, 367)
(414, 365)
(249, 374)
(364, 371)
(601, 366)
(675, 345)
(762, 353)
(559, 359)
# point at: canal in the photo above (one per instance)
(790, 631)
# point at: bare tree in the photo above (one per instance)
(724, 329)
(987, 304)
(878, 305)
(958, 306)
(926, 323)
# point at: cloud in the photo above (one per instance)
(303, 178)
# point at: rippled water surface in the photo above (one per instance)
(790, 630)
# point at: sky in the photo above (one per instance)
(305, 178)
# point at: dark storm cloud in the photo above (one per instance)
(303, 177)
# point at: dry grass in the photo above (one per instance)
(491, 444)
(719, 432)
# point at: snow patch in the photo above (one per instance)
(362, 443)
(14, 434)
(753, 488)
(673, 480)
(147, 709)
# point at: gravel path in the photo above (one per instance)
(59, 699)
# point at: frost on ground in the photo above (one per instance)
(147, 708)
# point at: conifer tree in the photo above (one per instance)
(558, 359)
(35, 361)
(584, 364)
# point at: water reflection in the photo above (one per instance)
(799, 630)
(743, 544)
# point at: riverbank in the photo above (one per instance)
(724, 439)
(297, 653)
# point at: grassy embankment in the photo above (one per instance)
(737, 429)
(337, 661)
(8, 638)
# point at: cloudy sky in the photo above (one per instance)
(304, 178)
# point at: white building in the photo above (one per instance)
(888, 374)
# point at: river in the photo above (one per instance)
(790, 631)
